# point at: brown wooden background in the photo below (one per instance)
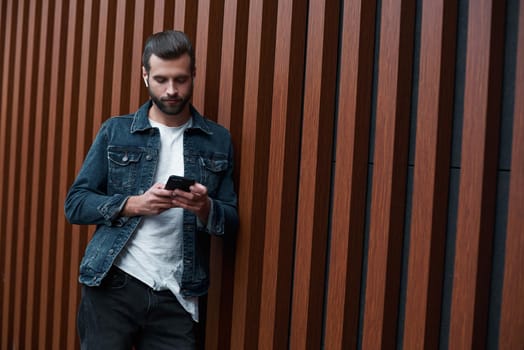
(380, 164)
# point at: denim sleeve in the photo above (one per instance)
(87, 201)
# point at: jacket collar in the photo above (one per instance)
(141, 119)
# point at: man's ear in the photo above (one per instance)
(145, 76)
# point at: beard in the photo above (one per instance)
(163, 104)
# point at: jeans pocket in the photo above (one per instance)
(115, 279)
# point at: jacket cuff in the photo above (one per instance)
(214, 223)
(111, 209)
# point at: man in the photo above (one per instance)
(147, 263)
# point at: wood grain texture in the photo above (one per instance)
(230, 114)
(315, 170)
(350, 184)
(253, 168)
(476, 214)
(297, 84)
(283, 180)
(389, 174)
(512, 310)
(431, 175)
(35, 182)
(15, 163)
(208, 44)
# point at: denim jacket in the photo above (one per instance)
(122, 162)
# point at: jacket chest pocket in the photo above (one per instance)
(212, 171)
(123, 170)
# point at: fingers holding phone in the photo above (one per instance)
(195, 199)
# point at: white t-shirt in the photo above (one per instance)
(154, 253)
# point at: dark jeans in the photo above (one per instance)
(124, 313)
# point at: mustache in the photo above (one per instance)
(171, 98)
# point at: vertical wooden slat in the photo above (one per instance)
(81, 138)
(512, 309)
(351, 167)
(158, 15)
(315, 174)
(38, 196)
(476, 214)
(47, 301)
(121, 76)
(186, 17)
(208, 46)
(4, 39)
(103, 59)
(233, 63)
(50, 310)
(431, 175)
(65, 286)
(230, 109)
(253, 170)
(35, 183)
(389, 174)
(22, 320)
(138, 43)
(283, 166)
(16, 263)
(6, 137)
(169, 12)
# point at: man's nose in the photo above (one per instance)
(172, 88)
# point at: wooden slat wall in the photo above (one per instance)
(431, 175)
(476, 214)
(512, 315)
(345, 240)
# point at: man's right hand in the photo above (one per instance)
(153, 202)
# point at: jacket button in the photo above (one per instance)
(148, 157)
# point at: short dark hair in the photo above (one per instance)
(167, 45)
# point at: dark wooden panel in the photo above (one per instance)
(122, 47)
(82, 136)
(48, 306)
(186, 17)
(15, 171)
(389, 174)
(4, 40)
(208, 47)
(283, 182)
(35, 183)
(253, 170)
(62, 284)
(512, 309)
(431, 175)
(138, 92)
(68, 241)
(7, 225)
(315, 172)
(159, 7)
(79, 62)
(476, 214)
(230, 115)
(349, 191)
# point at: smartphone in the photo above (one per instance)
(179, 182)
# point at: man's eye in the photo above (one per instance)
(160, 80)
(181, 80)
